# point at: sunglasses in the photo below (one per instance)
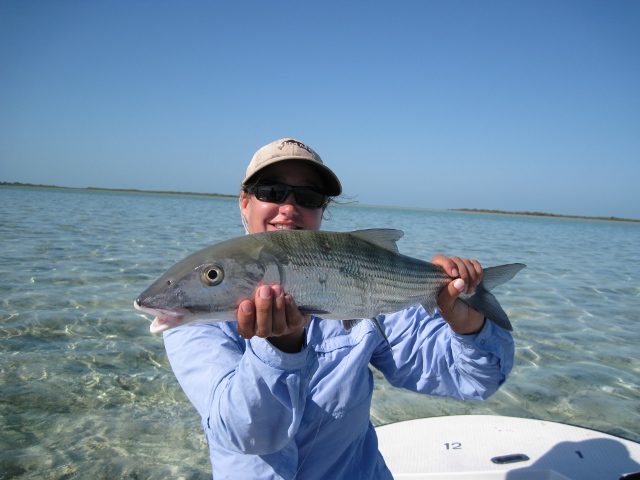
(276, 192)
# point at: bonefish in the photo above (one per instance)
(338, 275)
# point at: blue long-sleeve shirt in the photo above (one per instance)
(273, 415)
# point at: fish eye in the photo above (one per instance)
(213, 275)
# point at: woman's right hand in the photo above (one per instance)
(273, 314)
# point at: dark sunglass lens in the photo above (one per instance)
(305, 197)
(275, 192)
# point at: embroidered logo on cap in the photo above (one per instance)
(297, 144)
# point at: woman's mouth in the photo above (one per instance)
(281, 226)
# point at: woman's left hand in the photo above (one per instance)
(466, 275)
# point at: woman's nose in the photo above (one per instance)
(289, 202)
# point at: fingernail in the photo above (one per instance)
(265, 291)
(454, 272)
(277, 290)
(459, 284)
(247, 307)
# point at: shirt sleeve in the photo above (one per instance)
(249, 394)
(426, 356)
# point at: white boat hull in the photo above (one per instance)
(491, 447)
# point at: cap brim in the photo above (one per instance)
(332, 186)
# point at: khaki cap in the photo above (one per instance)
(291, 149)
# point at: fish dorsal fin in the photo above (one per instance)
(382, 237)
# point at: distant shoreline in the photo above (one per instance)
(542, 214)
(221, 195)
(120, 190)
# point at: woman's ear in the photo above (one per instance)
(244, 203)
(244, 210)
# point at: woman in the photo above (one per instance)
(284, 395)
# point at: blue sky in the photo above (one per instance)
(510, 105)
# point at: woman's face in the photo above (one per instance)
(288, 215)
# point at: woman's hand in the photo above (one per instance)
(467, 274)
(272, 314)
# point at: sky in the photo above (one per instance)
(507, 105)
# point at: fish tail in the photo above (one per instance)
(485, 302)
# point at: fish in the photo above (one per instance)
(347, 276)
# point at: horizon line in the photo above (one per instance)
(226, 195)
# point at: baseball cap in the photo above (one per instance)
(292, 149)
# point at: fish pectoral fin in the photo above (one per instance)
(349, 324)
(376, 322)
(311, 310)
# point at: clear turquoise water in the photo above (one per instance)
(86, 390)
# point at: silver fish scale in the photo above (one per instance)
(342, 275)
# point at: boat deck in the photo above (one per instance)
(490, 447)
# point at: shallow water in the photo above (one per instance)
(86, 390)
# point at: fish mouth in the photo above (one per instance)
(165, 318)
